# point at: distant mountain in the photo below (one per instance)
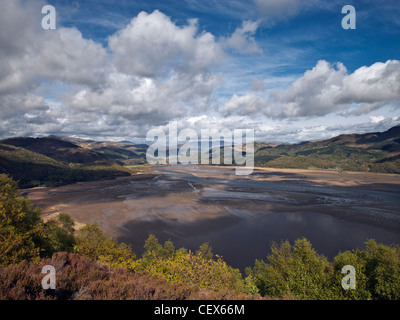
(53, 161)
(59, 150)
(377, 152)
(388, 140)
(123, 153)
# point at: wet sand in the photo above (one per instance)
(239, 215)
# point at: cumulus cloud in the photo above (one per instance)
(153, 71)
(30, 53)
(248, 104)
(152, 43)
(145, 99)
(31, 58)
(243, 40)
(326, 89)
(314, 94)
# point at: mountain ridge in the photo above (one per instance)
(53, 160)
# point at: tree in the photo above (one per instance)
(168, 249)
(91, 242)
(187, 267)
(184, 266)
(311, 274)
(21, 228)
(60, 234)
(154, 250)
(273, 278)
(205, 251)
(296, 271)
(382, 268)
(152, 245)
(351, 258)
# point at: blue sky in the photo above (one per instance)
(112, 70)
(314, 30)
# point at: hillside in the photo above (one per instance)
(376, 152)
(53, 162)
(123, 153)
(58, 150)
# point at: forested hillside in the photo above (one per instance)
(375, 152)
(54, 161)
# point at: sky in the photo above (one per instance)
(113, 70)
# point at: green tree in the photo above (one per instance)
(60, 234)
(21, 228)
(187, 267)
(154, 250)
(273, 278)
(205, 251)
(382, 268)
(168, 249)
(91, 241)
(152, 246)
(311, 273)
(297, 271)
(353, 259)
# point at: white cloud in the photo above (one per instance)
(154, 72)
(314, 94)
(246, 105)
(376, 119)
(324, 90)
(243, 40)
(30, 54)
(152, 43)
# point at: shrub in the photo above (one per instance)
(81, 278)
(91, 242)
(183, 266)
(296, 271)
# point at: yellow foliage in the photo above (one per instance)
(189, 268)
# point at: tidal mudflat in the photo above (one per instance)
(239, 215)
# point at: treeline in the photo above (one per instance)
(299, 271)
(90, 265)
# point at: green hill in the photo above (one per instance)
(376, 152)
(52, 162)
(123, 153)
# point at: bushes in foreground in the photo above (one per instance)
(299, 271)
(81, 278)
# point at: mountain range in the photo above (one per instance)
(53, 160)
